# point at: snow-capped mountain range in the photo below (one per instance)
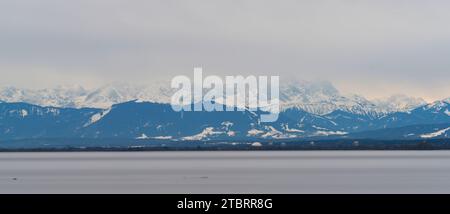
(309, 110)
(322, 98)
(145, 120)
(78, 97)
(314, 97)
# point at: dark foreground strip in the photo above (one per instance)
(198, 203)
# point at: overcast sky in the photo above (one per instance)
(374, 48)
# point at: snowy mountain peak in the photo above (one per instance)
(438, 106)
(322, 98)
(400, 103)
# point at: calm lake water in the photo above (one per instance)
(226, 172)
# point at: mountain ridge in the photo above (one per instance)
(149, 120)
(319, 98)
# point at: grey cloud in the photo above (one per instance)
(377, 48)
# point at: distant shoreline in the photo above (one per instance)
(128, 145)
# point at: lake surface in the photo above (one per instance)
(226, 172)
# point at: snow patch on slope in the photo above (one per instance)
(96, 117)
(23, 113)
(328, 133)
(275, 134)
(162, 137)
(142, 137)
(287, 129)
(209, 131)
(145, 137)
(435, 134)
(254, 132)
